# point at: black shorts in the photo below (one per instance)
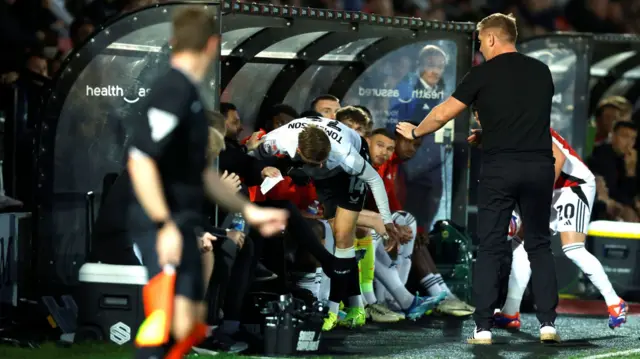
(343, 190)
(189, 281)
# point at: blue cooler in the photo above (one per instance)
(110, 306)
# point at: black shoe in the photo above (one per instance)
(220, 343)
(263, 274)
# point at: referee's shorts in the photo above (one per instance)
(189, 281)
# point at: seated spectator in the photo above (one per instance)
(607, 114)
(235, 160)
(616, 163)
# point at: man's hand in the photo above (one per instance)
(476, 137)
(253, 142)
(406, 129)
(422, 239)
(630, 161)
(231, 181)
(237, 237)
(206, 242)
(602, 190)
(391, 244)
(169, 245)
(269, 221)
(393, 232)
(270, 172)
(406, 234)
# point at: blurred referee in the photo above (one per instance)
(170, 176)
(512, 93)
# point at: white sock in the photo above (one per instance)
(325, 286)
(380, 290)
(518, 279)
(334, 307)
(319, 276)
(430, 284)
(405, 251)
(391, 280)
(369, 297)
(307, 281)
(346, 252)
(592, 268)
(329, 241)
(444, 287)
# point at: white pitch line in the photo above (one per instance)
(614, 354)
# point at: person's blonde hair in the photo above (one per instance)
(192, 28)
(506, 24)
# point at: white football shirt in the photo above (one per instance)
(345, 146)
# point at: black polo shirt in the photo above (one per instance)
(174, 132)
(512, 93)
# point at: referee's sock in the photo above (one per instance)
(183, 347)
(592, 268)
(518, 279)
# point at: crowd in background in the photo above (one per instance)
(37, 35)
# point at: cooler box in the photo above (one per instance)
(617, 246)
(110, 306)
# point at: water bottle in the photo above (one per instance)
(237, 223)
(314, 208)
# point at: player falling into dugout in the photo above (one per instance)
(337, 159)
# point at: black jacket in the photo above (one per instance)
(234, 159)
(604, 161)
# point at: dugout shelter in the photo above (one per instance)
(269, 55)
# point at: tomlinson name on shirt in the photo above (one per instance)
(332, 134)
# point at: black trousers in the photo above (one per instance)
(231, 279)
(505, 183)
